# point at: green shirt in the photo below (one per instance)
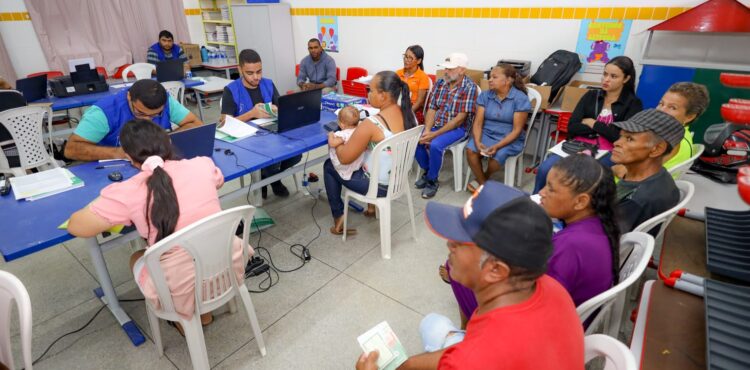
(684, 153)
(94, 125)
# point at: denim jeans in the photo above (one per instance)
(359, 183)
(279, 167)
(431, 159)
(438, 332)
(544, 167)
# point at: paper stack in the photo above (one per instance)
(234, 129)
(43, 184)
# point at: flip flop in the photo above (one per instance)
(472, 186)
(178, 327)
(341, 232)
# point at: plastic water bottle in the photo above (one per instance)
(222, 58)
(50, 93)
(188, 74)
(211, 57)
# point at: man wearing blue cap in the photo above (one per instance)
(499, 244)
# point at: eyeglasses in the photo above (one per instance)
(408, 57)
(139, 114)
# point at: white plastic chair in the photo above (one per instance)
(402, 148)
(662, 220)
(141, 71)
(25, 126)
(611, 302)
(515, 163)
(680, 169)
(209, 242)
(616, 354)
(176, 89)
(12, 290)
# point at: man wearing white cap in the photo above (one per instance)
(450, 112)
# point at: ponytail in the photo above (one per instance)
(584, 174)
(141, 139)
(510, 72)
(162, 209)
(392, 84)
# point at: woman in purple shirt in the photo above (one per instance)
(585, 258)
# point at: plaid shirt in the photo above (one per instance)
(448, 103)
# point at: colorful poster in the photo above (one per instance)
(600, 40)
(328, 33)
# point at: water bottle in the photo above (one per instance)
(223, 59)
(204, 54)
(50, 93)
(211, 57)
(188, 74)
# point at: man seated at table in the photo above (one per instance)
(244, 99)
(166, 49)
(317, 70)
(647, 189)
(98, 132)
(499, 243)
(453, 101)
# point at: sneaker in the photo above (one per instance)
(430, 189)
(279, 189)
(420, 184)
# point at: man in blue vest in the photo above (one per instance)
(244, 99)
(98, 133)
(166, 49)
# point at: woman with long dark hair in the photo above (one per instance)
(417, 80)
(384, 92)
(585, 259)
(591, 120)
(167, 195)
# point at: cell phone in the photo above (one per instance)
(4, 187)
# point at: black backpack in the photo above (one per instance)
(557, 70)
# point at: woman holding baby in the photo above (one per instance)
(383, 93)
(497, 132)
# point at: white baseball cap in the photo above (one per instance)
(455, 60)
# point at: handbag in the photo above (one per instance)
(575, 146)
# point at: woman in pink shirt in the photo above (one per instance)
(167, 195)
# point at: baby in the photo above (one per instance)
(348, 120)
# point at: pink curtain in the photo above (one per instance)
(113, 32)
(6, 67)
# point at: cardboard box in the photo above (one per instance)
(333, 101)
(572, 93)
(473, 74)
(193, 53)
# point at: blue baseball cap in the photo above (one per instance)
(500, 219)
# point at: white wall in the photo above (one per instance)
(21, 42)
(376, 43)
(194, 22)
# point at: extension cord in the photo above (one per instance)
(258, 270)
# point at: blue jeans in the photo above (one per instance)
(544, 167)
(431, 159)
(279, 167)
(438, 332)
(359, 183)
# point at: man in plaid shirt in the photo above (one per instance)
(452, 104)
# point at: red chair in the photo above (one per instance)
(353, 73)
(50, 74)
(432, 77)
(296, 71)
(118, 73)
(102, 71)
(354, 88)
(338, 74)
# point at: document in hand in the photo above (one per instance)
(381, 338)
(236, 128)
(268, 108)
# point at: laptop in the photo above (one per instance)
(297, 110)
(194, 142)
(170, 70)
(33, 88)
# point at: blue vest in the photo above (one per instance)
(117, 111)
(157, 49)
(242, 101)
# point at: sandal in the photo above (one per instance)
(334, 231)
(178, 327)
(443, 272)
(472, 186)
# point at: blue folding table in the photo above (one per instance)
(32, 226)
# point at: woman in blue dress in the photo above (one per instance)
(497, 132)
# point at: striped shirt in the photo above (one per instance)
(153, 58)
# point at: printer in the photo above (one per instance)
(523, 67)
(83, 81)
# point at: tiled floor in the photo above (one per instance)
(310, 318)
